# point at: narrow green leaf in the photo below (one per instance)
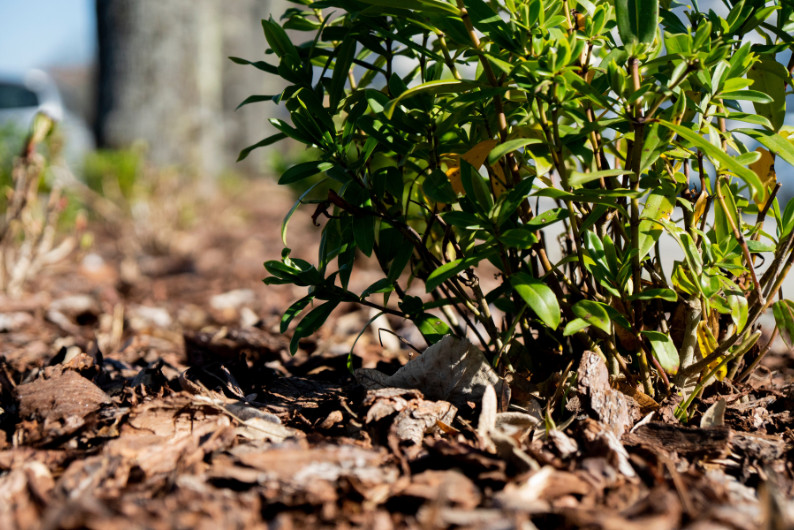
(637, 20)
(548, 217)
(594, 313)
(293, 311)
(574, 326)
(291, 211)
(521, 238)
(664, 350)
(384, 285)
(262, 143)
(344, 59)
(783, 312)
(659, 205)
(304, 170)
(260, 65)
(433, 329)
(747, 95)
(738, 305)
(539, 297)
(770, 77)
(441, 86)
(772, 141)
(364, 233)
(311, 323)
(725, 160)
(448, 270)
(254, 99)
(577, 179)
(509, 146)
(655, 294)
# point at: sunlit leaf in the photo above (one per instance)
(539, 297)
(664, 350)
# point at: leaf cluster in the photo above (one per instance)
(458, 135)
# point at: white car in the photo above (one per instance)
(22, 98)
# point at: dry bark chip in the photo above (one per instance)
(415, 416)
(612, 408)
(686, 441)
(61, 404)
(444, 487)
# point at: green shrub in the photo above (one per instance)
(441, 125)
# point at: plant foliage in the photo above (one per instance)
(457, 134)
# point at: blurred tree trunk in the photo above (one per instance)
(164, 78)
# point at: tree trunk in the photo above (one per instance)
(164, 78)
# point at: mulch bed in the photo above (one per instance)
(153, 390)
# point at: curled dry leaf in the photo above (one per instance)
(714, 415)
(535, 494)
(452, 370)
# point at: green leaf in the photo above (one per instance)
(509, 146)
(304, 170)
(772, 141)
(311, 323)
(518, 238)
(453, 268)
(441, 86)
(637, 20)
(260, 65)
(655, 294)
(577, 179)
(725, 160)
(279, 41)
(738, 306)
(433, 329)
(664, 350)
(344, 58)
(747, 95)
(548, 217)
(384, 285)
(437, 188)
(783, 312)
(539, 297)
(262, 143)
(364, 233)
(770, 77)
(594, 313)
(293, 311)
(574, 326)
(297, 203)
(659, 205)
(255, 99)
(422, 6)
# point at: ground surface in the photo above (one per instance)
(146, 385)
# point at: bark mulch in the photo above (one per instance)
(150, 388)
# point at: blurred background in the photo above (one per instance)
(138, 74)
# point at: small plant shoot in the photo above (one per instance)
(525, 162)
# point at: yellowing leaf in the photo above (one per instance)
(453, 174)
(708, 344)
(498, 180)
(764, 167)
(477, 154)
(700, 207)
(476, 157)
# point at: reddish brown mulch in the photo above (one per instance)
(153, 390)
